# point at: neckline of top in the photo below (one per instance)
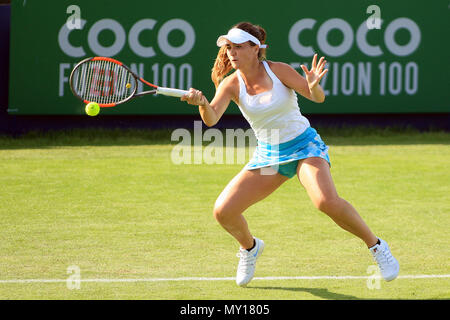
(266, 68)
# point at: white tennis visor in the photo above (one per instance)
(238, 36)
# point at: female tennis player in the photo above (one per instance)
(265, 92)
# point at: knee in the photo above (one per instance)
(220, 213)
(328, 205)
(226, 212)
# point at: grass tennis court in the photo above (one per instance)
(113, 204)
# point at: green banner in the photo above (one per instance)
(383, 56)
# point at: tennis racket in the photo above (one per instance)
(109, 82)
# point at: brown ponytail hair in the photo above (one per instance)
(222, 65)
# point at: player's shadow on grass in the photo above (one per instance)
(319, 292)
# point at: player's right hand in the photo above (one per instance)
(195, 97)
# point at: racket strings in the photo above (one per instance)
(104, 82)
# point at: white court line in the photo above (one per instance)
(420, 276)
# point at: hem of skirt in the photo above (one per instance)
(284, 162)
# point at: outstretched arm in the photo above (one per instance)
(313, 78)
(308, 87)
(211, 112)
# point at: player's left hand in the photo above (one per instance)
(316, 73)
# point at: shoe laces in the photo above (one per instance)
(383, 257)
(246, 259)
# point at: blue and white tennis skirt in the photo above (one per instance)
(284, 157)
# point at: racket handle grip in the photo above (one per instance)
(171, 92)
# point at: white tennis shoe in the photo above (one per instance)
(389, 266)
(247, 263)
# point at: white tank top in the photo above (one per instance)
(274, 109)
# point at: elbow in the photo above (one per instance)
(209, 124)
(319, 100)
(210, 121)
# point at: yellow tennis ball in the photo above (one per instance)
(128, 85)
(92, 109)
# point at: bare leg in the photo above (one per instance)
(314, 174)
(245, 189)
